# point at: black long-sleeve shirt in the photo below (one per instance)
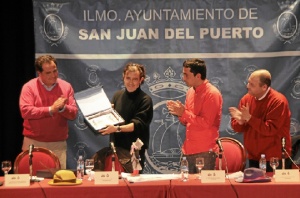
(137, 108)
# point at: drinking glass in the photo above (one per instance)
(274, 163)
(89, 165)
(6, 166)
(199, 165)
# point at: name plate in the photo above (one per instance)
(15, 180)
(287, 175)
(107, 177)
(213, 176)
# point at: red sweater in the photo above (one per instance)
(270, 121)
(34, 106)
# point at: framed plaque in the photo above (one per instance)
(96, 108)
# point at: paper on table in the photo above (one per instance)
(150, 177)
(235, 175)
(35, 178)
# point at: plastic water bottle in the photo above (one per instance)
(184, 169)
(80, 167)
(263, 163)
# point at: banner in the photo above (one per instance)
(93, 40)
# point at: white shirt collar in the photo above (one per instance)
(264, 94)
(48, 88)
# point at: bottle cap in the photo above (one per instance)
(262, 155)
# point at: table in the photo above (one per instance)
(155, 189)
(88, 189)
(231, 188)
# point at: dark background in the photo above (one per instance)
(17, 62)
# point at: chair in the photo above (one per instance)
(233, 156)
(42, 158)
(103, 160)
(296, 151)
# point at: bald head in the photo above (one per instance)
(264, 77)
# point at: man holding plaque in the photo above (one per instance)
(136, 107)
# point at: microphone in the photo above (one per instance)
(31, 147)
(283, 152)
(220, 153)
(113, 147)
(113, 157)
(283, 144)
(220, 145)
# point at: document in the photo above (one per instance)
(96, 108)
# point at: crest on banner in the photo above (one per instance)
(53, 29)
(286, 26)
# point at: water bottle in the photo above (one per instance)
(80, 167)
(184, 169)
(263, 163)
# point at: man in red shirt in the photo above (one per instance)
(263, 115)
(201, 115)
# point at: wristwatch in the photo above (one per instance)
(118, 129)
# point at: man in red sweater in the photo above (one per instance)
(46, 104)
(263, 115)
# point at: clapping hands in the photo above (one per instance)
(175, 107)
(242, 115)
(59, 104)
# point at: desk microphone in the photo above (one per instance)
(113, 157)
(220, 145)
(220, 153)
(283, 152)
(113, 147)
(31, 147)
(283, 144)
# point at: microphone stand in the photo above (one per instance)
(283, 152)
(113, 157)
(283, 158)
(30, 166)
(220, 158)
(30, 163)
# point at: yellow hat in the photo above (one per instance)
(63, 178)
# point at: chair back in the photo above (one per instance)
(103, 159)
(296, 152)
(233, 156)
(42, 158)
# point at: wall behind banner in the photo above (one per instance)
(17, 59)
(93, 40)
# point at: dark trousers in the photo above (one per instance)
(255, 164)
